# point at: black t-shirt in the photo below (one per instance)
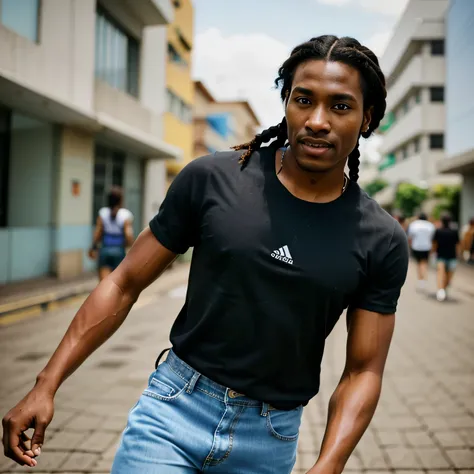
(271, 273)
(447, 239)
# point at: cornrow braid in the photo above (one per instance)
(353, 163)
(330, 48)
(279, 132)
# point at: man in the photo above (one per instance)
(445, 244)
(420, 237)
(283, 243)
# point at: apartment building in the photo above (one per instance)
(218, 125)
(82, 98)
(413, 129)
(178, 119)
(459, 157)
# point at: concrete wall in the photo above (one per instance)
(154, 188)
(27, 241)
(32, 150)
(73, 230)
(153, 75)
(61, 65)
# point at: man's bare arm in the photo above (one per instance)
(355, 399)
(98, 318)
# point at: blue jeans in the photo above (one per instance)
(185, 423)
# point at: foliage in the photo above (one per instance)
(375, 186)
(450, 198)
(409, 198)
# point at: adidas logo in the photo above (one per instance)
(283, 254)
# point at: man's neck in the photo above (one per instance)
(313, 187)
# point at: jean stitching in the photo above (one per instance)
(208, 460)
(151, 394)
(231, 438)
(277, 435)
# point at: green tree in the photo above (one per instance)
(449, 200)
(375, 186)
(409, 198)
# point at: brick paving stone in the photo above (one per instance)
(391, 438)
(461, 458)
(465, 421)
(468, 436)
(81, 461)
(105, 465)
(402, 458)
(419, 438)
(432, 458)
(66, 440)
(84, 422)
(97, 442)
(449, 439)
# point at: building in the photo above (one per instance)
(218, 125)
(414, 125)
(459, 156)
(82, 97)
(178, 120)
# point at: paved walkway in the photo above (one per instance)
(424, 423)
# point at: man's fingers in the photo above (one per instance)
(25, 445)
(13, 451)
(38, 437)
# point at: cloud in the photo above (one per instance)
(389, 7)
(241, 67)
(378, 42)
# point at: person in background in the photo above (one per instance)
(420, 237)
(445, 244)
(114, 231)
(467, 243)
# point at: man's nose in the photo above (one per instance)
(318, 120)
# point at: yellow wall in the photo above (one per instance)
(179, 80)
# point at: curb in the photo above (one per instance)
(35, 305)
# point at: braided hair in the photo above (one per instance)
(329, 48)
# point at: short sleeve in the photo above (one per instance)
(175, 226)
(382, 289)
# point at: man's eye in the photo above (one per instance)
(303, 100)
(341, 107)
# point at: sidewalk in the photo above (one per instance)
(424, 423)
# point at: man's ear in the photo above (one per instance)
(367, 119)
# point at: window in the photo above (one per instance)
(178, 107)
(174, 56)
(436, 141)
(109, 167)
(404, 152)
(117, 55)
(21, 16)
(5, 133)
(437, 94)
(437, 47)
(405, 107)
(418, 96)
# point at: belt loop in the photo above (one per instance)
(192, 383)
(160, 356)
(265, 409)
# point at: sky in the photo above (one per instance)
(240, 44)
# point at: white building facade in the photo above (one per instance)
(82, 94)
(414, 126)
(459, 156)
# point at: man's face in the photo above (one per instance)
(325, 114)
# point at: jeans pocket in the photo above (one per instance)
(284, 425)
(164, 384)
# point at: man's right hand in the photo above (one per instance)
(34, 411)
